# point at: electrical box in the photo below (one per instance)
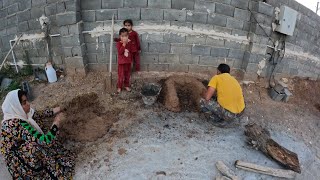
(287, 20)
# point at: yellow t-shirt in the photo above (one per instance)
(229, 92)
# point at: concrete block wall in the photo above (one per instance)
(175, 35)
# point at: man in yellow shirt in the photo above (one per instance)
(230, 102)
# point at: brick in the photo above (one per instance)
(105, 14)
(147, 58)
(241, 14)
(185, 4)
(208, 60)
(174, 38)
(152, 37)
(69, 41)
(188, 59)
(76, 28)
(24, 16)
(265, 8)
(112, 4)
(159, 47)
(197, 17)
(23, 26)
(217, 19)
(67, 18)
(12, 21)
(204, 6)
(135, 3)
(37, 12)
(92, 4)
(243, 4)
(174, 15)
(3, 13)
(72, 5)
(224, 9)
(181, 49)
(178, 68)
(89, 16)
(151, 14)
(215, 42)
(161, 4)
(193, 39)
(12, 30)
(236, 53)
(219, 52)
(234, 24)
(168, 58)
(201, 50)
(51, 9)
(129, 13)
(13, 8)
(38, 3)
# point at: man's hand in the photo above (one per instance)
(58, 119)
(56, 110)
(209, 93)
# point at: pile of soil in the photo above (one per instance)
(182, 93)
(86, 119)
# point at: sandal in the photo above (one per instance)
(128, 89)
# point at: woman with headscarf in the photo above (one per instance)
(28, 151)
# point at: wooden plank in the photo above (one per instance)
(226, 171)
(266, 170)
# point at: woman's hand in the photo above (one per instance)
(58, 119)
(56, 110)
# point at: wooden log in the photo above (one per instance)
(226, 171)
(222, 178)
(260, 138)
(265, 170)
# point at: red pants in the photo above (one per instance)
(136, 60)
(124, 75)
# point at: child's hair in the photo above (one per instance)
(128, 21)
(224, 68)
(123, 30)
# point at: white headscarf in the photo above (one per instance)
(12, 109)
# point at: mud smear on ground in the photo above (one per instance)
(86, 119)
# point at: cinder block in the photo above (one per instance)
(219, 52)
(161, 4)
(152, 14)
(105, 58)
(135, 3)
(243, 4)
(106, 14)
(147, 58)
(13, 8)
(12, 30)
(34, 24)
(37, 12)
(181, 49)
(246, 26)
(186, 4)
(188, 59)
(38, 3)
(112, 4)
(67, 18)
(152, 38)
(241, 14)
(208, 60)
(217, 19)
(89, 39)
(158, 67)
(57, 51)
(258, 48)
(56, 41)
(74, 62)
(224, 9)
(51, 9)
(64, 30)
(144, 46)
(265, 8)
(202, 27)
(215, 42)
(3, 13)
(3, 23)
(168, 58)
(232, 45)
(263, 30)
(178, 68)
(69, 41)
(129, 13)
(73, 5)
(42, 52)
(89, 16)
(159, 47)
(198, 68)
(76, 28)
(57, 60)
(174, 15)
(23, 26)
(12, 21)
(174, 38)
(236, 53)
(88, 26)
(25, 4)
(78, 50)
(24, 16)
(234, 24)
(181, 25)
(201, 50)
(198, 17)
(193, 39)
(204, 6)
(105, 38)
(39, 60)
(92, 4)
(91, 58)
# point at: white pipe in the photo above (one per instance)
(14, 58)
(111, 44)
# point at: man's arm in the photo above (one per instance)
(209, 93)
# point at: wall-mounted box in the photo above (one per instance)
(287, 20)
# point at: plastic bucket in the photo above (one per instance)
(150, 93)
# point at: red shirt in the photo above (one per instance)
(122, 58)
(134, 37)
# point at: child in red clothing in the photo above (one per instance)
(134, 37)
(125, 51)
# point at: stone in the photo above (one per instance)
(201, 50)
(112, 4)
(151, 14)
(188, 59)
(181, 49)
(234, 24)
(168, 58)
(159, 47)
(135, 3)
(92, 4)
(224, 9)
(161, 4)
(217, 19)
(219, 52)
(204, 6)
(106, 14)
(24, 16)
(175, 15)
(185, 4)
(197, 17)
(129, 13)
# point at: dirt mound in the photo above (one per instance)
(86, 120)
(306, 91)
(180, 92)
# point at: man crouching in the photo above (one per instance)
(223, 100)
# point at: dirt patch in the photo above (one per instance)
(86, 119)
(306, 91)
(317, 106)
(182, 93)
(122, 151)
